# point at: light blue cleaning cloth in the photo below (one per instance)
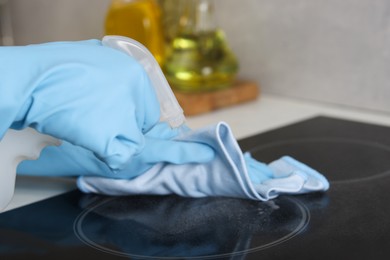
(231, 173)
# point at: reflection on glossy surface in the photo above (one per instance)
(166, 227)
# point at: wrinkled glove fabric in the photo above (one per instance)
(231, 173)
(80, 92)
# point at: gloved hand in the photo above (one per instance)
(231, 173)
(84, 93)
(70, 160)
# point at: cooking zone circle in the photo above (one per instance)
(340, 160)
(173, 227)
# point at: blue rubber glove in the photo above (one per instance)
(70, 160)
(84, 93)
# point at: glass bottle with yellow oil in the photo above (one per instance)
(139, 20)
(198, 58)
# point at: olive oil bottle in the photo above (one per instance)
(198, 57)
(139, 20)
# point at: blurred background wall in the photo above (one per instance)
(322, 50)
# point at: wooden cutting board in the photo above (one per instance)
(198, 103)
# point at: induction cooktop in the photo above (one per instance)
(350, 221)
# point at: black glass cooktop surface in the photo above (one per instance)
(350, 221)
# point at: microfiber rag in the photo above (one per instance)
(231, 173)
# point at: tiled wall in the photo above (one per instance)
(335, 51)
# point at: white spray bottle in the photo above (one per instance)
(15, 147)
(27, 144)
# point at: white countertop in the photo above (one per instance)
(266, 113)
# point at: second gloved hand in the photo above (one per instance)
(70, 160)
